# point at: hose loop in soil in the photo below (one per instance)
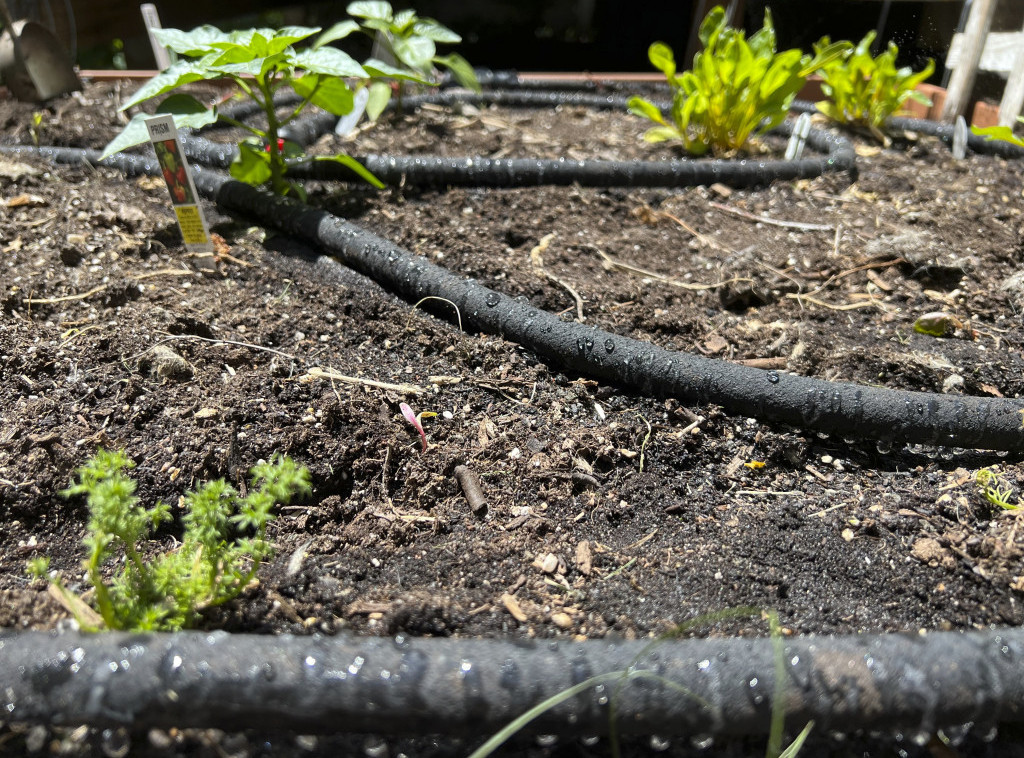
(840, 408)
(427, 171)
(938, 129)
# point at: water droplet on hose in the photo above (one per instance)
(702, 741)
(115, 743)
(773, 377)
(659, 744)
(492, 299)
(547, 740)
(609, 346)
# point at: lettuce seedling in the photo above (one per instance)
(865, 91)
(409, 40)
(224, 542)
(261, 62)
(738, 87)
(1002, 133)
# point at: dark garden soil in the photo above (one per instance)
(607, 513)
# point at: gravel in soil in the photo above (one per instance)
(606, 513)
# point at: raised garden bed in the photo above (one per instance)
(608, 513)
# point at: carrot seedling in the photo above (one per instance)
(224, 543)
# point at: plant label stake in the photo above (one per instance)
(164, 136)
(960, 139)
(798, 138)
(348, 122)
(152, 21)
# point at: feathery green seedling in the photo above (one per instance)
(1003, 133)
(261, 62)
(738, 87)
(865, 91)
(223, 544)
(995, 490)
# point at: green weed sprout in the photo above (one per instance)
(738, 88)
(1003, 133)
(995, 490)
(411, 42)
(212, 565)
(865, 91)
(260, 62)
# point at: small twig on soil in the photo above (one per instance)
(765, 363)
(321, 373)
(648, 215)
(660, 277)
(471, 489)
(866, 267)
(214, 342)
(66, 298)
(647, 438)
(164, 272)
(536, 258)
(619, 570)
(845, 307)
(773, 222)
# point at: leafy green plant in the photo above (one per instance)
(213, 563)
(260, 62)
(737, 88)
(1003, 133)
(865, 91)
(409, 40)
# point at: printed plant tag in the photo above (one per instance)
(184, 198)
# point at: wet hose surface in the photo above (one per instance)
(450, 686)
(427, 171)
(836, 408)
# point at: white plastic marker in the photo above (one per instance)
(184, 198)
(798, 138)
(152, 21)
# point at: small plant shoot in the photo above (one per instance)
(409, 40)
(1001, 133)
(224, 542)
(865, 91)
(261, 63)
(738, 88)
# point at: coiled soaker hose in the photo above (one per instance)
(906, 682)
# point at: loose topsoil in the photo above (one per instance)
(607, 513)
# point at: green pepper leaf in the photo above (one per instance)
(380, 94)
(374, 9)
(328, 60)
(339, 31)
(251, 165)
(461, 70)
(354, 165)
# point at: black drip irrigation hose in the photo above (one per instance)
(429, 171)
(938, 129)
(401, 685)
(834, 408)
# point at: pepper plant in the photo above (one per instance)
(409, 40)
(738, 88)
(865, 91)
(224, 542)
(261, 62)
